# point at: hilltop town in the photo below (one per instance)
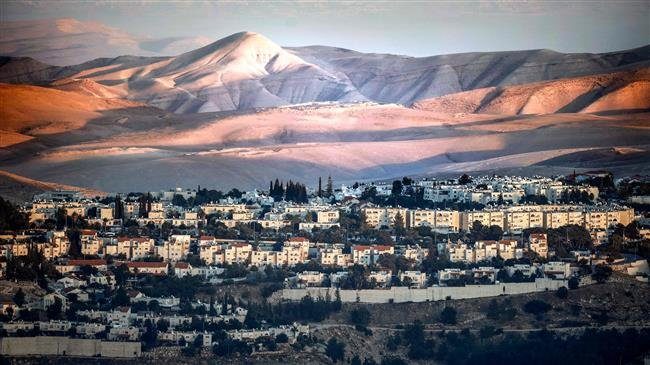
(191, 273)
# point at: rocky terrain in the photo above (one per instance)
(247, 71)
(618, 91)
(242, 111)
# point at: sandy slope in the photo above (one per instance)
(90, 88)
(34, 110)
(70, 41)
(590, 94)
(351, 143)
(19, 188)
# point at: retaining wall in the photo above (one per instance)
(64, 346)
(404, 294)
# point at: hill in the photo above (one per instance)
(625, 90)
(354, 142)
(70, 41)
(247, 71)
(20, 189)
(34, 110)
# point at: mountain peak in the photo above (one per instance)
(245, 47)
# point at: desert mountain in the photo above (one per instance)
(248, 71)
(101, 124)
(69, 41)
(389, 78)
(624, 90)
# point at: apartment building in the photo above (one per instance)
(134, 248)
(327, 216)
(175, 249)
(444, 221)
(538, 243)
(369, 255)
(335, 257)
(517, 221)
(378, 217)
(416, 279)
(486, 217)
(508, 249)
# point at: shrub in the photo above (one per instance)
(562, 292)
(282, 338)
(393, 360)
(360, 317)
(574, 283)
(537, 307)
(601, 273)
(335, 350)
(448, 315)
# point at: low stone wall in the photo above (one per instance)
(64, 346)
(404, 294)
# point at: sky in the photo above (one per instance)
(416, 28)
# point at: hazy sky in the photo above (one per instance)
(415, 28)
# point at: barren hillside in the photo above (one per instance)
(626, 90)
(247, 71)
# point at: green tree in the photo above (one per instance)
(562, 292)
(537, 307)
(335, 350)
(360, 317)
(329, 190)
(19, 297)
(162, 324)
(54, 310)
(601, 273)
(464, 179)
(448, 315)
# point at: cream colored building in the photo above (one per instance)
(327, 216)
(135, 247)
(517, 221)
(173, 250)
(507, 249)
(440, 220)
(368, 255)
(92, 247)
(222, 208)
(211, 253)
(335, 257)
(486, 217)
(539, 244)
(380, 217)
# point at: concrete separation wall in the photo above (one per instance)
(64, 346)
(404, 294)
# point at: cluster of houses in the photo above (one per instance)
(446, 277)
(512, 219)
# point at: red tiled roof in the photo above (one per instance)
(182, 265)
(88, 232)
(93, 262)
(206, 238)
(298, 239)
(361, 247)
(539, 236)
(383, 247)
(137, 264)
